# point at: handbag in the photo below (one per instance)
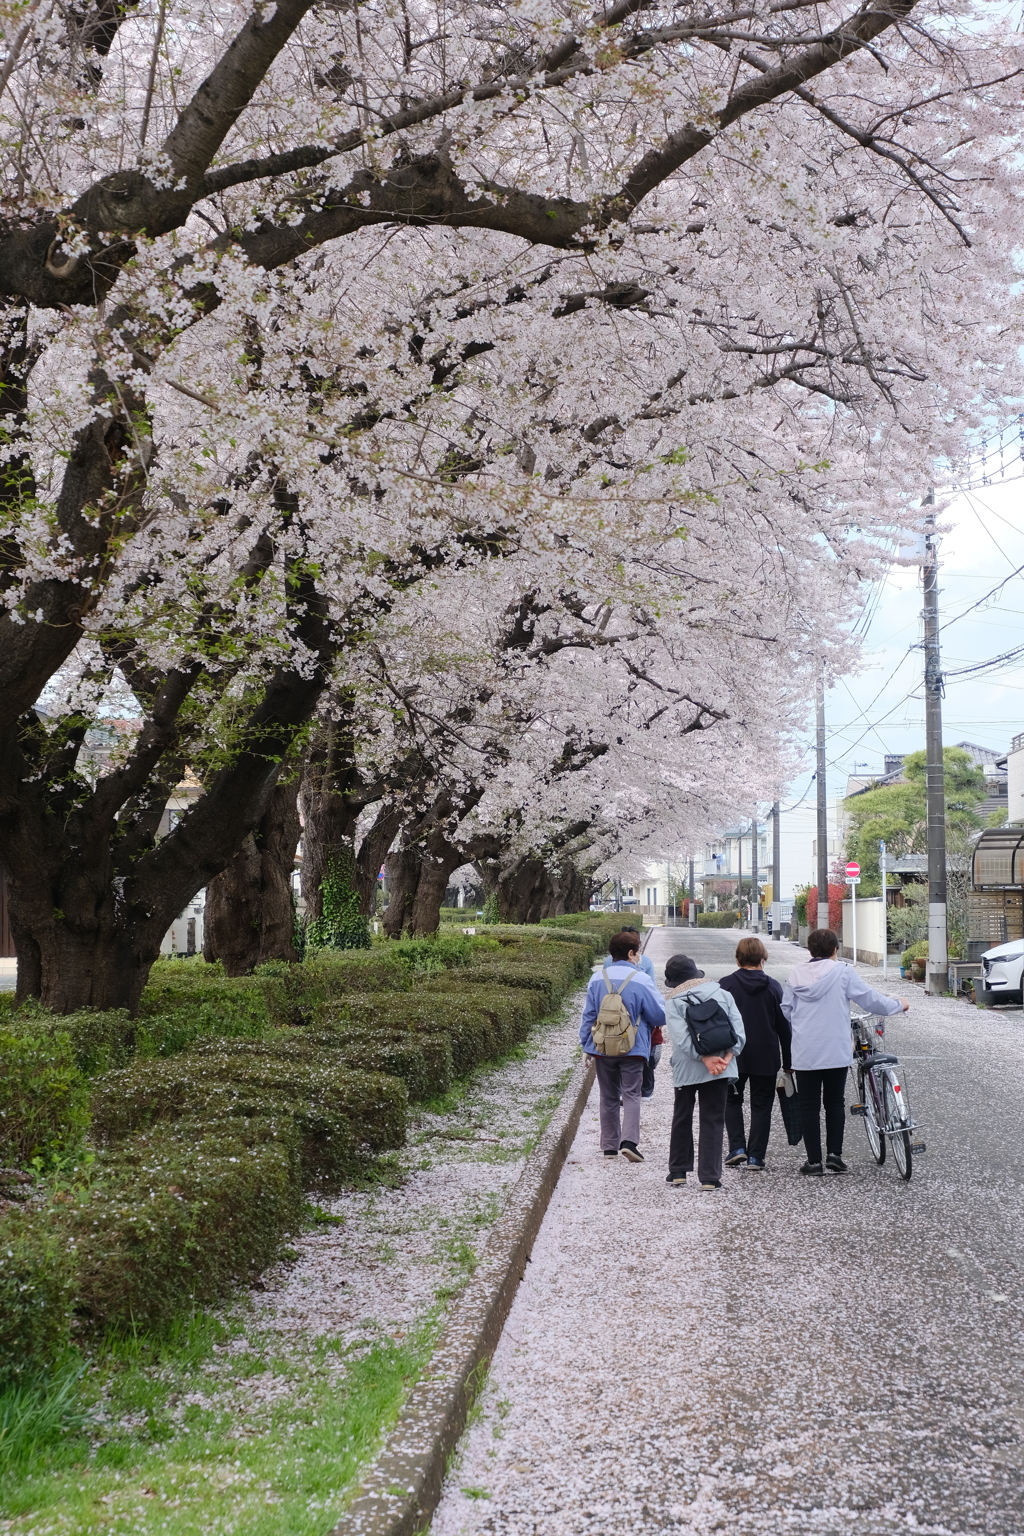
(789, 1104)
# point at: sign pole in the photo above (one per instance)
(853, 894)
(885, 915)
(853, 880)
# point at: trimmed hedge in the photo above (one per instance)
(225, 1099)
(340, 1116)
(718, 919)
(177, 1217)
(44, 1099)
(37, 1286)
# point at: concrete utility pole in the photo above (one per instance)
(739, 856)
(937, 973)
(755, 895)
(776, 874)
(822, 808)
(693, 898)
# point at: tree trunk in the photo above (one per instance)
(250, 915)
(418, 872)
(530, 891)
(403, 867)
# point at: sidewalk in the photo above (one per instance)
(784, 1355)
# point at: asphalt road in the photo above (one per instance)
(784, 1355)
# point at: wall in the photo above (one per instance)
(1015, 781)
(870, 930)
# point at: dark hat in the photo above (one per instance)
(681, 968)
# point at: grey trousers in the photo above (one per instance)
(619, 1077)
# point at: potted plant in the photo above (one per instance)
(914, 959)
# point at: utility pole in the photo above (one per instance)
(822, 807)
(754, 892)
(776, 874)
(693, 898)
(937, 975)
(739, 855)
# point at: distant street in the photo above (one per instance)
(784, 1355)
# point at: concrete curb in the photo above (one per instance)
(402, 1489)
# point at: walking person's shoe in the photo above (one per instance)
(739, 1155)
(835, 1162)
(630, 1151)
(611, 1154)
(715, 1184)
(815, 1169)
(675, 1178)
(754, 1162)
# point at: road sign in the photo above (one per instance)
(852, 870)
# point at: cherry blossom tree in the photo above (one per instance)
(308, 306)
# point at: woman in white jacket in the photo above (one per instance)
(816, 1000)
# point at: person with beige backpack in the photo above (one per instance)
(621, 1009)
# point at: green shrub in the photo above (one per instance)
(338, 972)
(541, 979)
(475, 1034)
(918, 951)
(717, 919)
(510, 1011)
(423, 1061)
(44, 1099)
(341, 1116)
(176, 1217)
(37, 1273)
(185, 999)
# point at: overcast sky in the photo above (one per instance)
(881, 708)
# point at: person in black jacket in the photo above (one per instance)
(758, 998)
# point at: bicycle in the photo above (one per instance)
(884, 1101)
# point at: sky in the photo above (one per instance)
(880, 708)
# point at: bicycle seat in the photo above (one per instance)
(877, 1059)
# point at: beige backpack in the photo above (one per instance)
(613, 1032)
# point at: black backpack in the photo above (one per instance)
(710, 1028)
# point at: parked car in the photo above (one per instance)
(1000, 979)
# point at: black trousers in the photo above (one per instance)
(813, 1087)
(762, 1102)
(711, 1097)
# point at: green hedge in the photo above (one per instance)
(226, 1098)
(37, 1289)
(718, 919)
(341, 1116)
(44, 1099)
(176, 1217)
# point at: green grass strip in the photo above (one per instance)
(284, 1470)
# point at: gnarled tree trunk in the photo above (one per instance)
(250, 915)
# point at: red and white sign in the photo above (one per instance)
(852, 871)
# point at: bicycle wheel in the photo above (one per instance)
(876, 1141)
(900, 1142)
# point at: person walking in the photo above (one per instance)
(703, 1080)
(758, 998)
(619, 1078)
(816, 1000)
(646, 965)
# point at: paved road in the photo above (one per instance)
(786, 1355)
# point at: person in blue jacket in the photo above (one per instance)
(646, 965)
(619, 1078)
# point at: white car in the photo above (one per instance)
(1000, 980)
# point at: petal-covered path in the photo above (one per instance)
(814, 1356)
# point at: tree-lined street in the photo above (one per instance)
(786, 1353)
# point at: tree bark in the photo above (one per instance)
(250, 914)
(418, 872)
